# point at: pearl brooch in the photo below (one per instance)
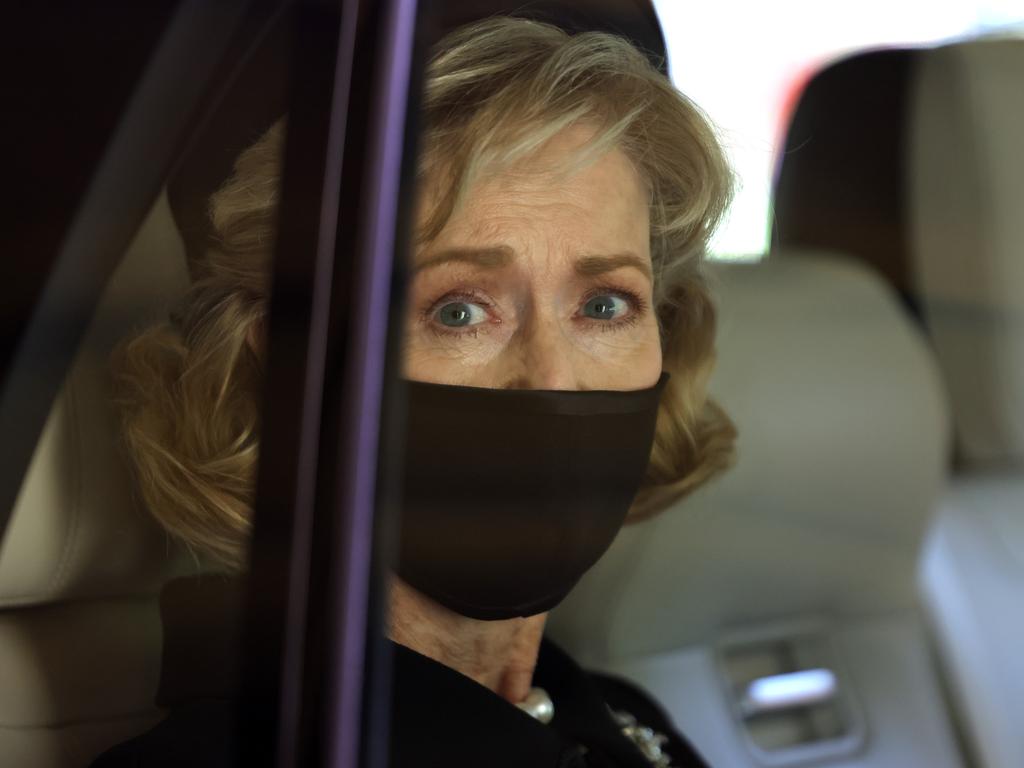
(538, 705)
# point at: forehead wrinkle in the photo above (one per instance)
(529, 209)
(500, 215)
(540, 179)
(487, 257)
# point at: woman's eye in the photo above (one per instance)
(458, 314)
(605, 307)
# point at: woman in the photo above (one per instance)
(558, 310)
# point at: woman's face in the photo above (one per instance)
(541, 280)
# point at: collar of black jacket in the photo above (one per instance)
(439, 716)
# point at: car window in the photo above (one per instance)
(752, 106)
(380, 386)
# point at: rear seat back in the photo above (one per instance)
(81, 561)
(967, 215)
(966, 204)
(811, 539)
(842, 445)
(928, 186)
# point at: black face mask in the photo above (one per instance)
(511, 495)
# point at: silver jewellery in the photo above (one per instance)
(538, 705)
(647, 740)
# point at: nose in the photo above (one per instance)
(542, 359)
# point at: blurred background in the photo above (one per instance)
(748, 80)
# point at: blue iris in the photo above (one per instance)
(456, 314)
(602, 307)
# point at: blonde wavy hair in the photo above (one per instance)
(495, 91)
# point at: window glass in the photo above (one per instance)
(748, 73)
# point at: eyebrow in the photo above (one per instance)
(498, 256)
(590, 266)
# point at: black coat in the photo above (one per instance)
(440, 718)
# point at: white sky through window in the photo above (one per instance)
(744, 63)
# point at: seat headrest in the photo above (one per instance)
(840, 181)
(77, 529)
(842, 448)
(966, 172)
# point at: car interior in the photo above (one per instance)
(871, 525)
(850, 593)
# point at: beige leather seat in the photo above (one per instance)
(803, 556)
(81, 562)
(911, 160)
(967, 216)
